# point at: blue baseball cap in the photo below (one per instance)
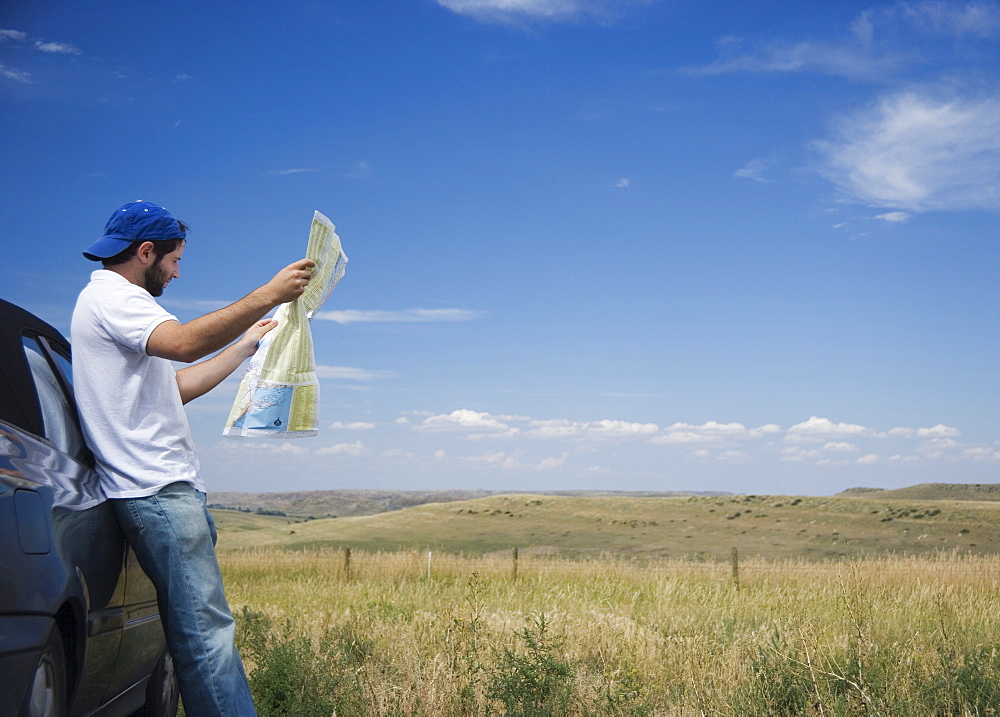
(136, 221)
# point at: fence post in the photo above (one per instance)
(347, 562)
(514, 574)
(428, 564)
(736, 569)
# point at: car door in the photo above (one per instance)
(87, 538)
(75, 573)
(125, 634)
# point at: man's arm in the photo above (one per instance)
(197, 380)
(199, 337)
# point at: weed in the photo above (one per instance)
(533, 681)
(289, 677)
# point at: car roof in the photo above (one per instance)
(18, 400)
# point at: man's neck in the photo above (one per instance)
(130, 271)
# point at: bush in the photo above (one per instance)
(290, 677)
(536, 683)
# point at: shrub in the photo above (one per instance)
(290, 677)
(534, 682)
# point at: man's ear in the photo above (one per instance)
(146, 252)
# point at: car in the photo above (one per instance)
(80, 630)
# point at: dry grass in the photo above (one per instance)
(878, 635)
(772, 527)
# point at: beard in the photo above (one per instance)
(154, 279)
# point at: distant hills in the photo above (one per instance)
(933, 491)
(345, 503)
(917, 520)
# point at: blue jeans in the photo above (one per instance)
(173, 535)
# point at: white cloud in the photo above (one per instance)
(349, 373)
(16, 75)
(841, 447)
(555, 428)
(466, 420)
(852, 59)
(916, 152)
(938, 431)
(294, 170)
(500, 459)
(982, 453)
(622, 183)
(550, 463)
(676, 436)
(894, 217)
(513, 11)
(819, 440)
(350, 449)
(877, 45)
(352, 316)
(268, 446)
(729, 456)
(796, 453)
(710, 432)
(817, 429)
(978, 19)
(765, 430)
(734, 456)
(62, 48)
(355, 426)
(755, 170)
(399, 453)
(12, 36)
(605, 429)
(619, 429)
(936, 445)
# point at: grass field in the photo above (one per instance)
(324, 632)
(865, 603)
(699, 527)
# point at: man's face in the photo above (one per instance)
(165, 268)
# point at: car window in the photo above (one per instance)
(62, 363)
(58, 415)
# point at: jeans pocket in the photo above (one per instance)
(211, 527)
(134, 515)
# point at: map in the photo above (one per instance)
(278, 395)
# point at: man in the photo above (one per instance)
(130, 399)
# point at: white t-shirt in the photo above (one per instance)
(133, 419)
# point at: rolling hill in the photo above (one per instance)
(934, 491)
(697, 526)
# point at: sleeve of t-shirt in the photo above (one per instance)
(132, 316)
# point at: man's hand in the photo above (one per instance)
(246, 346)
(194, 381)
(289, 283)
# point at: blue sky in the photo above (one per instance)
(645, 245)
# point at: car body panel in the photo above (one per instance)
(64, 563)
